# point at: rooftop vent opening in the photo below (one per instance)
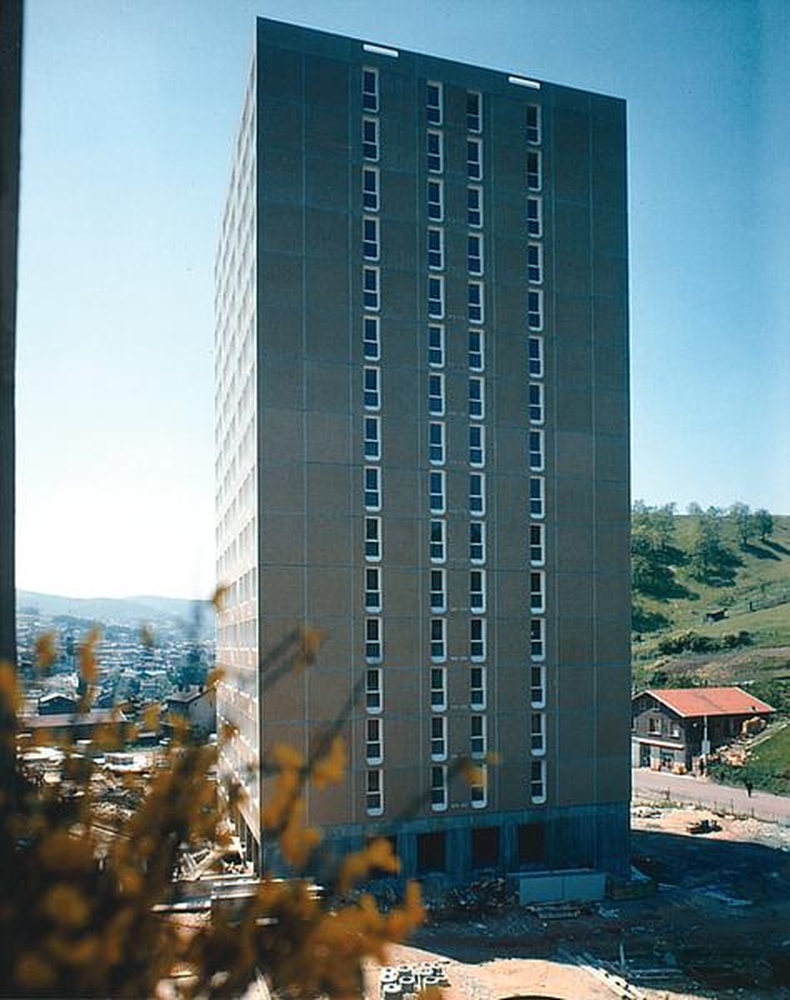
(380, 50)
(522, 81)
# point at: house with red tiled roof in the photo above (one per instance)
(674, 728)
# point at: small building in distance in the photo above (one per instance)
(673, 727)
(196, 706)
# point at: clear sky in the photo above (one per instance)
(129, 111)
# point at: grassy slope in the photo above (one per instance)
(762, 579)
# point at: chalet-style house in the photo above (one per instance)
(674, 728)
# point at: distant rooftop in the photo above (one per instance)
(691, 702)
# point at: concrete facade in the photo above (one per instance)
(422, 449)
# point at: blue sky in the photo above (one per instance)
(129, 111)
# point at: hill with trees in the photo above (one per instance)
(711, 598)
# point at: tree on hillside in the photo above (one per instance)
(744, 521)
(652, 549)
(711, 561)
(764, 523)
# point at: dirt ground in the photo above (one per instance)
(717, 926)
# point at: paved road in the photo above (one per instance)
(699, 791)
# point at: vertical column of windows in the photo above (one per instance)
(536, 454)
(373, 595)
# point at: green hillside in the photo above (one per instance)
(711, 600)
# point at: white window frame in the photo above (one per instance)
(478, 736)
(477, 399)
(371, 145)
(371, 387)
(437, 545)
(474, 111)
(434, 151)
(537, 543)
(534, 216)
(436, 345)
(537, 733)
(374, 640)
(478, 790)
(477, 445)
(537, 639)
(537, 451)
(477, 494)
(474, 253)
(474, 206)
(436, 394)
(371, 288)
(438, 724)
(437, 491)
(478, 694)
(537, 781)
(435, 202)
(374, 692)
(535, 357)
(534, 124)
(434, 109)
(439, 788)
(478, 639)
(373, 595)
(536, 403)
(438, 591)
(371, 338)
(534, 170)
(372, 487)
(477, 591)
(371, 244)
(438, 689)
(374, 740)
(436, 442)
(474, 160)
(535, 263)
(475, 302)
(438, 640)
(537, 497)
(370, 95)
(372, 438)
(436, 296)
(537, 592)
(537, 684)
(535, 309)
(435, 244)
(476, 353)
(374, 792)
(477, 544)
(373, 545)
(371, 193)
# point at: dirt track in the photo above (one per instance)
(718, 927)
